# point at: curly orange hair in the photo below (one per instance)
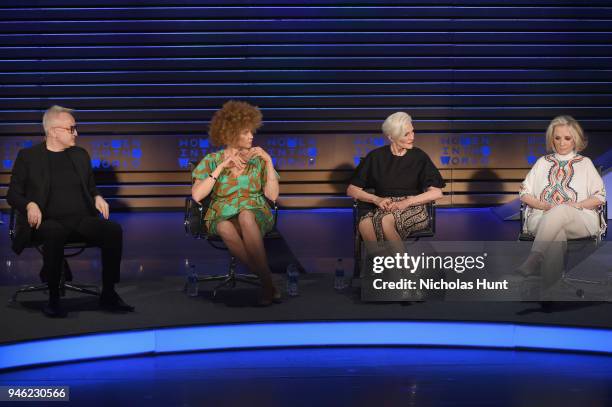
(231, 120)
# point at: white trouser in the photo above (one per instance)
(552, 231)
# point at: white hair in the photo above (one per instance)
(395, 125)
(52, 113)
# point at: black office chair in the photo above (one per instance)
(65, 283)
(360, 208)
(593, 241)
(526, 236)
(196, 227)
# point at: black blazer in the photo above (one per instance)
(30, 183)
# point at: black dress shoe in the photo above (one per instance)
(111, 301)
(53, 309)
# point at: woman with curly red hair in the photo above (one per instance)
(240, 178)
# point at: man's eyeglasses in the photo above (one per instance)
(71, 129)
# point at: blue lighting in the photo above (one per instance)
(299, 334)
(116, 143)
(531, 159)
(485, 150)
(7, 164)
(136, 153)
(76, 348)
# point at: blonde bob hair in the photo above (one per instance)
(395, 125)
(580, 140)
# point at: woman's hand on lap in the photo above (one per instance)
(382, 203)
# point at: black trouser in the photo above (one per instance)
(105, 234)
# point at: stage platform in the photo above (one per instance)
(156, 247)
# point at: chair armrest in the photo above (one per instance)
(355, 215)
(602, 211)
(522, 210)
(274, 206)
(11, 225)
(193, 219)
(431, 211)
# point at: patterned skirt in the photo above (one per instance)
(407, 221)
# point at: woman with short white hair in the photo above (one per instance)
(562, 192)
(403, 179)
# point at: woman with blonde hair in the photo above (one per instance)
(240, 177)
(562, 192)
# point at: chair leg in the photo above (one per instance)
(84, 289)
(28, 289)
(211, 278)
(64, 285)
(231, 278)
(228, 281)
(248, 279)
(241, 277)
(232, 271)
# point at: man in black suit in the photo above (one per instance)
(53, 189)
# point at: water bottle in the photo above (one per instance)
(292, 280)
(186, 267)
(192, 285)
(339, 281)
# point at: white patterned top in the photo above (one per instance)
(559, 179)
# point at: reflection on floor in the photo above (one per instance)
(334, 377)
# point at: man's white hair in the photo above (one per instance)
(395, 125)
(51, 114)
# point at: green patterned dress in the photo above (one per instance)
(231, 195)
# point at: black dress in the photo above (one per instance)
(397, 177)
